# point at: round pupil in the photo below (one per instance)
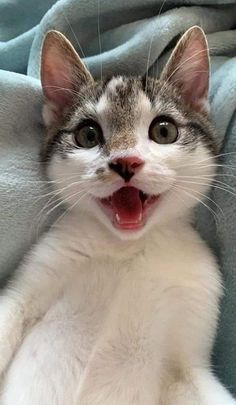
(164, 130)
(90, 133)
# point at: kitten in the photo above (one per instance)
(118, 303)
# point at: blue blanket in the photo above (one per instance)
(134, 35)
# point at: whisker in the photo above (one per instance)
(201, 202)
(69, 209)
(218, 156)
(150, 45)
(209, 199)
(99, 36)
(209, 185)
(57, 191)
(51, 210)
(212, 180)
(58, 195)
(75, 36)
(204, 166)
(210, 176)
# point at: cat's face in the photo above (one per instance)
(131, 152)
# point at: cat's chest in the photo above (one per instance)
(88, 294)
(90, 291)
(88, 297)
(85, 302)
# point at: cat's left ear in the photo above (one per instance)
(62, 75)
(188, 69)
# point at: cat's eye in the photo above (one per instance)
(88, 135)
(163, 131)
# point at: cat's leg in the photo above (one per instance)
(36, 284)
(194, 308)
(197, 387)
(47, 367)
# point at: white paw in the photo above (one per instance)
(10, 336)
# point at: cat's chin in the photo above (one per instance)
(128, 209)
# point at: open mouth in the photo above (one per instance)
(128, 207)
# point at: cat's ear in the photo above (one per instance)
(62, 74)
(188, 69)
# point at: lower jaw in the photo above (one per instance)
(129, 226)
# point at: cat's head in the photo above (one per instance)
(132, 152)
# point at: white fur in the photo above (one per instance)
(94, 318)
(119, 323)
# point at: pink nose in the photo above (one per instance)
(126, 167)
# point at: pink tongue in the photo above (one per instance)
(127, 205)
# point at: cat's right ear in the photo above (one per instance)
(62, 74)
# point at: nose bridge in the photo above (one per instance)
(121, 140)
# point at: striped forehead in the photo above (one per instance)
(120, 109)
(120, 97)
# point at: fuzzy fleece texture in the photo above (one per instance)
(134, 34)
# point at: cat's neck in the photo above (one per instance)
(94, 238)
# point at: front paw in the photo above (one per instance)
(11, 330)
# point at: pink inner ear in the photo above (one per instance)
(191, 74)
(196, 93)
(58, 86)
(57, 80)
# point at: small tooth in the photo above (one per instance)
(140, 217)
(118, 218)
